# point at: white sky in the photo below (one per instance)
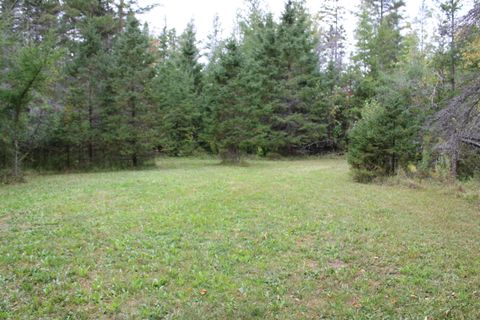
(178, 13)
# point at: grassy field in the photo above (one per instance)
(274, 240)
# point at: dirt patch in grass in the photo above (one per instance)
(312, 264)
(4, 221)
(337, 264)
(306, 241)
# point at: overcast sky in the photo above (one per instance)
(177, 13)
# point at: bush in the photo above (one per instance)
(469, 164)
(382, 141)
(366, 153)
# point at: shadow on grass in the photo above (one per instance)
(176, 163)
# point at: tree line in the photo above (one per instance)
(85, 85)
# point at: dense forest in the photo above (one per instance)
(85, 85)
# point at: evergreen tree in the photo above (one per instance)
(260, 48)
(176, 91)
(388, 41)
(189, 55)
(129, 118)
(234, 123)
(448, 30)
(385, 138)
(296, 121)
(28, 56)
(87, 83)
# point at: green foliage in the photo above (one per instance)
(129, 117)
(297, 116)
(234, 120)
(382, 140)
(124, 95)
(368, 143)
(177, 114)
(364, 35)
(28, 72)
(469, 164)
(176, 92)
(188, 56)
(285, 80)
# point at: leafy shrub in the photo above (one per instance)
(469, 164)
(367, 144)
(382, 140)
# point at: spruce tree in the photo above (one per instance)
(177, 93)
(262, 68)
(176, 113)
(297, 120)
(87, 81)
(234, 123)
(129, 117)
(189, 54)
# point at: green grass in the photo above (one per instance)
(274, 240)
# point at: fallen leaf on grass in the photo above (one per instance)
(356, 303)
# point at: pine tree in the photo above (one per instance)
(189, 55)
(129, 118)
(87, 81)
(365, 34)
(448, 30)
(384, 139)
(388, 40)
(260, 48)
(296, 121)
(177, 93)
(234, 124)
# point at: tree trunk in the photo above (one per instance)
(452, 44)
(454, 164)
(16, 159)
(134, 132)
(68, 156)
(231, 155)
(16, 169)
(134, 159)
(121, 15)
(90, 124)
(381, 10)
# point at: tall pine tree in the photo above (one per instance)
(129, 118)
(233, 119)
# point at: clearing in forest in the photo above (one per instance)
(192, 239)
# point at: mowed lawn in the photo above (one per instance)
(192, 239)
